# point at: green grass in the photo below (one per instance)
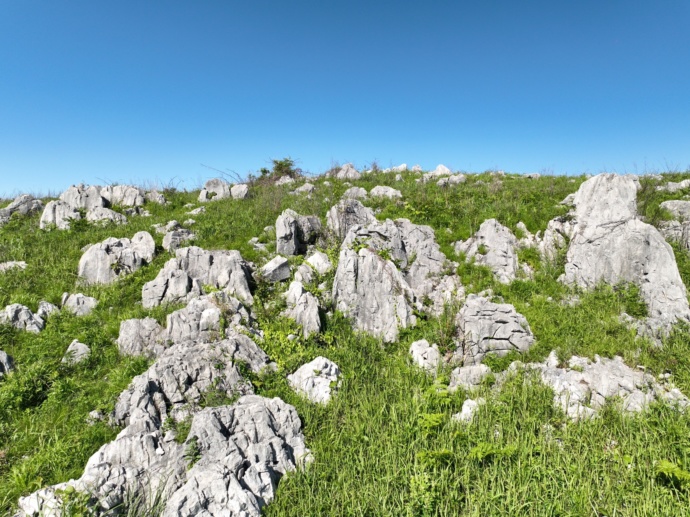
(386, 444)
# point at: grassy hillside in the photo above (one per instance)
(385, 445)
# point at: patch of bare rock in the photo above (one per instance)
(316, 380)
(105, 262)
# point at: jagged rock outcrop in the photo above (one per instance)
(76, 353)
(494, 246)
(383, 191)
(276, 270)
(295, 232)
(24, 204)
(468, 377)
(320, 262)
(346, 214)
(582, 388)
(611, 245)
(123, 195)
(6, 363)
(347, 172)
(78, 304)
(316, 380)
(141, 337)
(103, 215)
(182, 278)
(303, 307)
(675, 231)
(355, 193)
(485, 328)
(440, 171)
(425, 356)
(105, 262)
(83, 196)
(45, 309)
(155, 197)
(59, 214)
(214, 189)
(176, 239)
(678, 208)
(21, 317)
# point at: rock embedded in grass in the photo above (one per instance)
(78, 304)
(303, 307)
(425, 356)
(346, 214)
(295, 232)
(316, 380)
(679, 209)
(6, 363)
(387, 192)
(13, 264)
(105, 262)
(21, 317)
(276, 270)
(494, 246)
(76, 353)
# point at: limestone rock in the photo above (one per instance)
(469, 409)
(346, 214)
(105, 215)
(295, 232)
(177, 238)
(24, 204)
(304, 274)
(438, 172)
(171, 285)
(105, 262)
(307, 188)
(123, 195)
(60, 214)
(382, 191)
(78, 304)
(320, 262)
(285, 180)
(45, 309)
(494, 246)
(21, 317)
(13, 264)
(679, 209)
(303, 307)
(76, 353)
(674, 187)
(355, 193)
(84, 197)
(197, 211)
(485, 328)
(425, 356)
(240, 191)
(348, 172)
(277, 270)
(314, 380)
(214, 189)
(584, 386)
(155, 197)
(6, 364)
(675, 231)
(141, 337)
(611, 245)
(453, 179)
(468, 377)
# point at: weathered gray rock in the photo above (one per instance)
(123, 195)
(295, 232)
(453, 179)
(388, 192)
(469, 409)
(21, 317)
(277, 270)
(675, 231)
(78, 304)
(611, 245)
(355, 193)
(425, 356)
(438, 172)
(171, 285)
(60, 214)
(155, 197)
(214, 189)
(76, 353)
(240, 191)
(468, 377)
(557, 235)
(320, 262)
(24, 204)
(45, 309)
(307, 188)
(177, 238)
(13, 264)
(197, 211)
(285, 180)
(348, 172)
(674, 187)
(167, 227)
(346, 214)
(303, 307)
(316, 380)
(304, 274)
(485, 328)
(6, 364)
(141, 337)
(494, 246)
(584, 386)
(103, 215)
(105, 262)
(678, 209)
(83, 196)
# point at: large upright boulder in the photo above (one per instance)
(58, 214)
(123, 195)
(611, 245)
(215, 189)
(346, 214)
(494, 246)
(295, 232)
(303, 307)
(83, 196)
(105, 262)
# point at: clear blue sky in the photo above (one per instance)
(149, 90)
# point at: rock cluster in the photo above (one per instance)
(105, 262)
(21, 317)
(22, 205)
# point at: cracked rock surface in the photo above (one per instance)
(315, 379)
(105, 262)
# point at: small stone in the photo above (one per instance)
(76, 353)
(78, 304)
(276, 270)
(316, 380)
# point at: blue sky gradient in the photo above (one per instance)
(147, 91)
